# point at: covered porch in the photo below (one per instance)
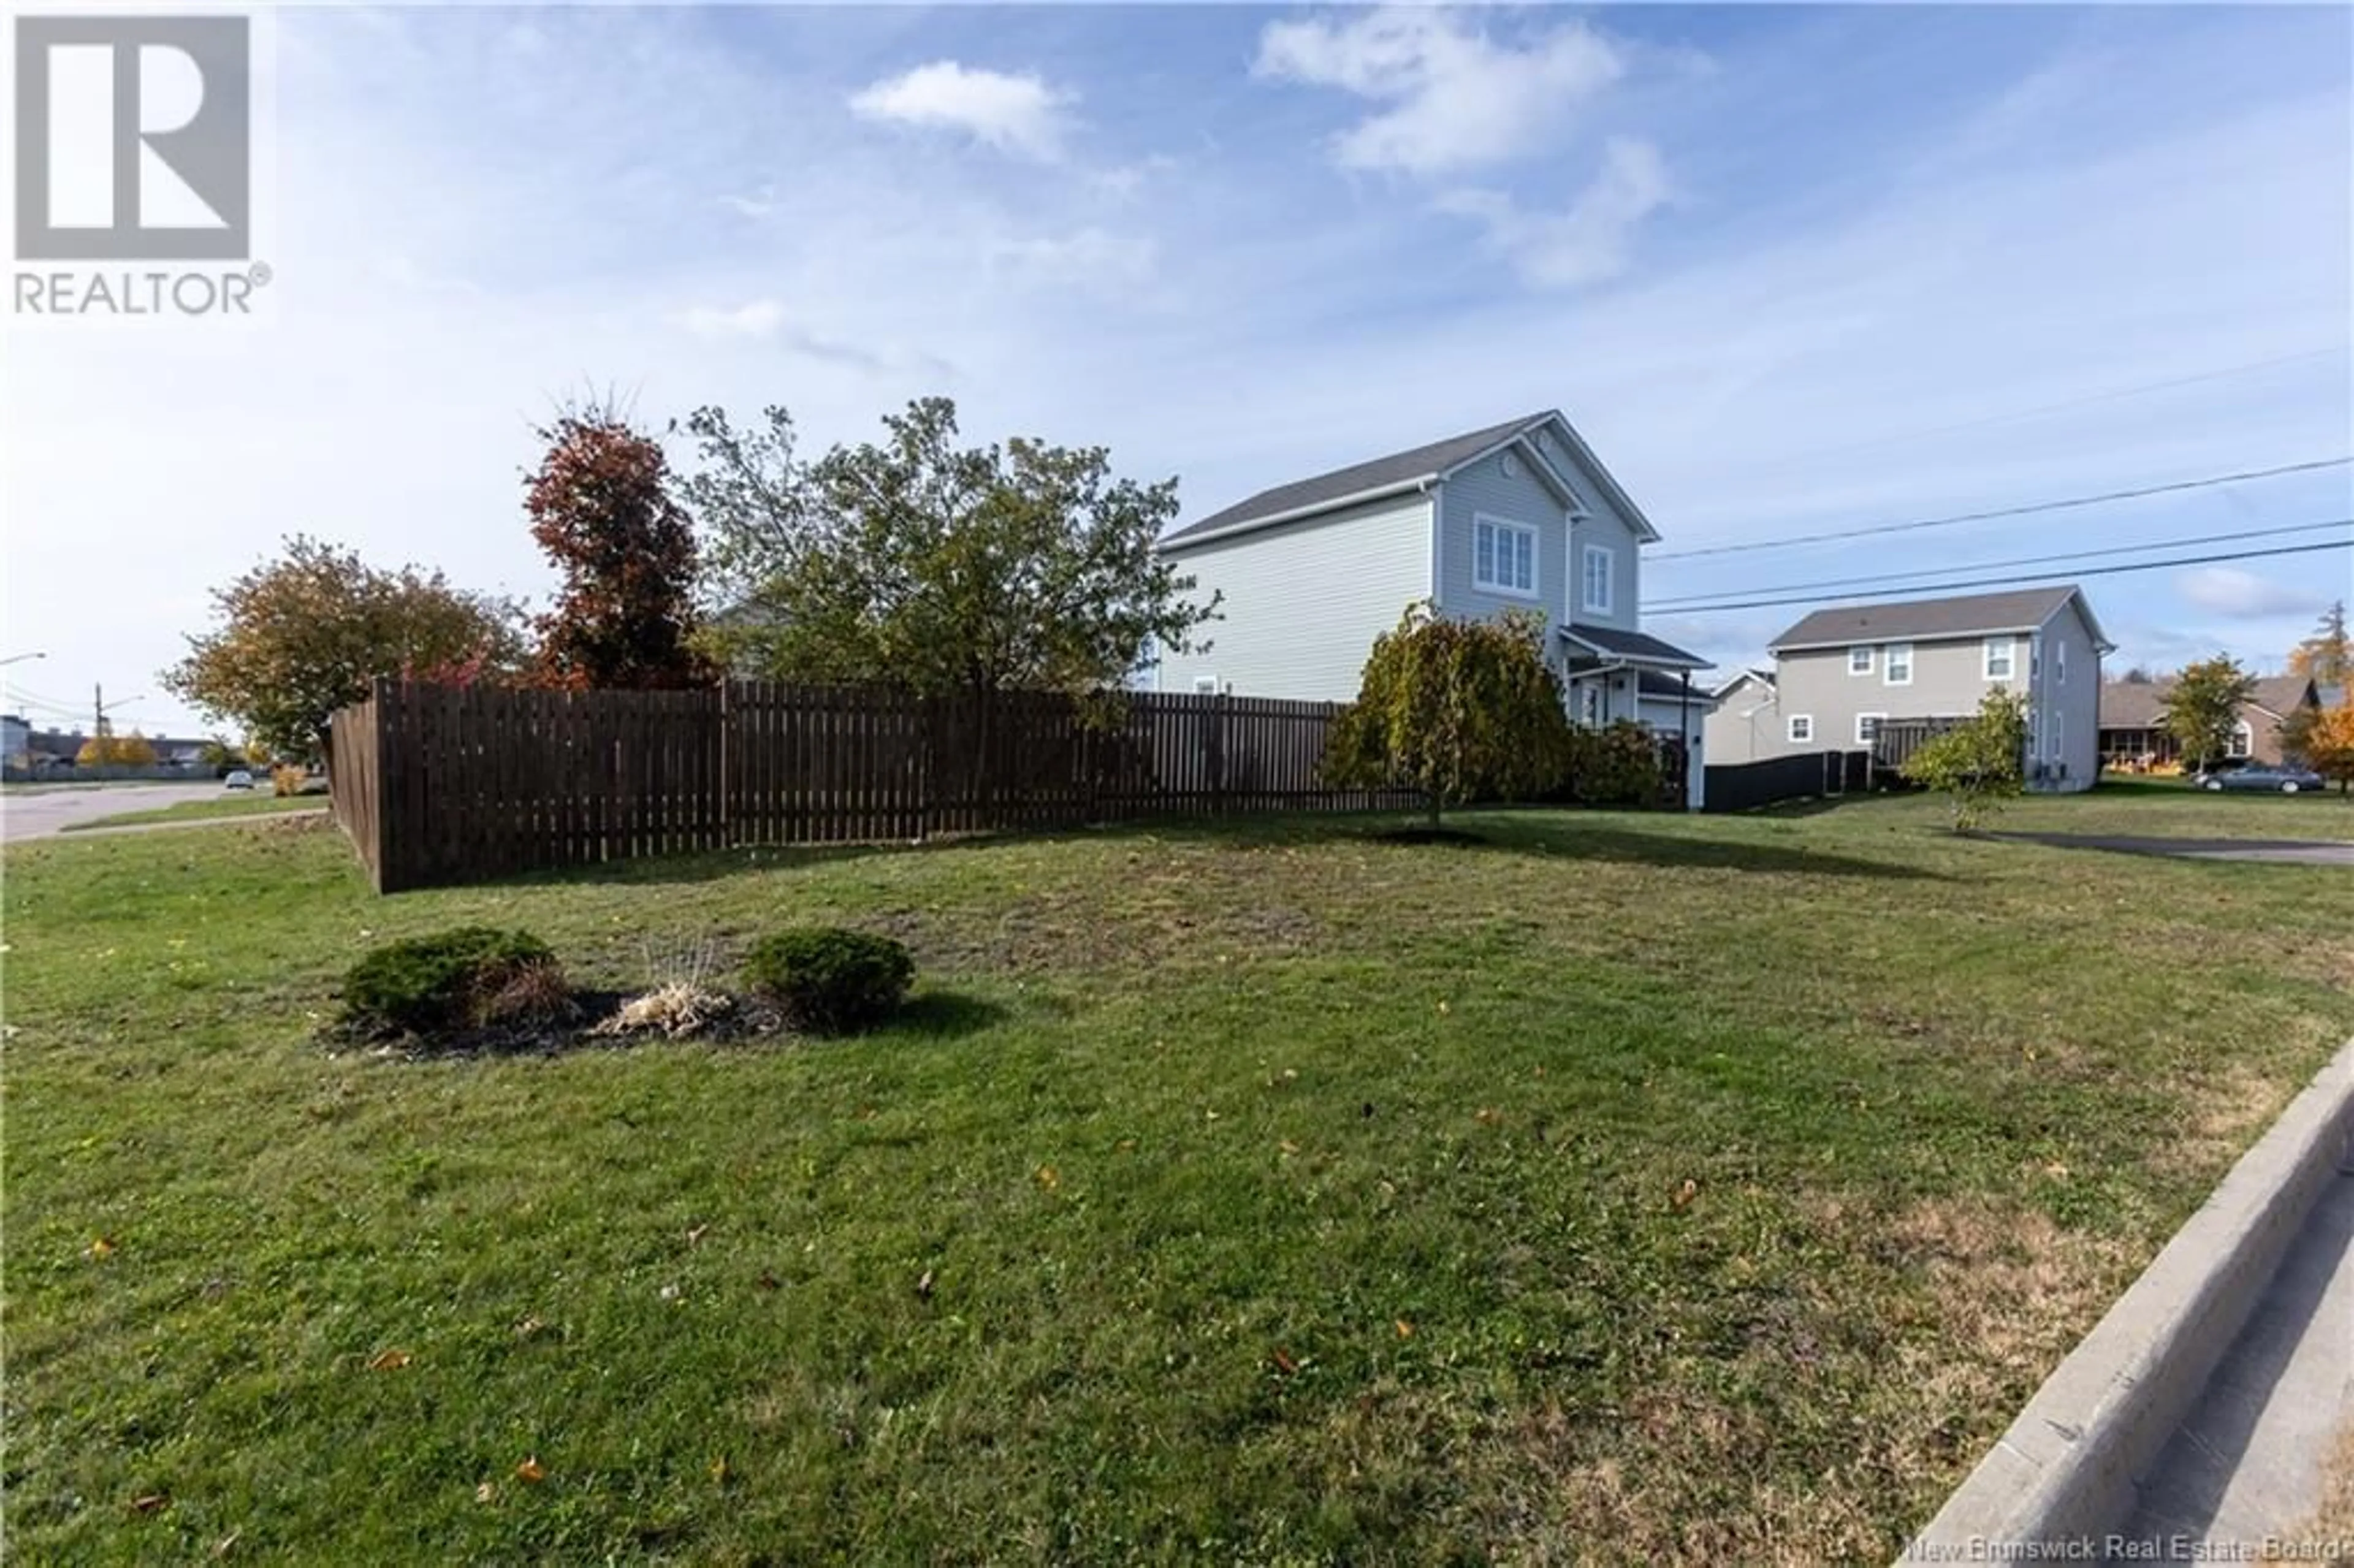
(1608, 675)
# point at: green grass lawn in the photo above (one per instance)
(260, 803)
(1633, 1189)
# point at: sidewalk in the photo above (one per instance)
(2244, 1468)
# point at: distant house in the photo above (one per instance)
(1743, 722)
(1520, 515)
(1839, 675)
(15, 734)
(2134, 736)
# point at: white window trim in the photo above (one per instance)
(2242, 744)
(1870, 659)
(1609, 579)
(1861, 738)
(2060, 663)
(2007, 649)
(1791, 729)
(1536, 553)
(1888, 664)
(1206, 685)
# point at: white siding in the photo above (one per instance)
(1305, 600)
(1745, 725)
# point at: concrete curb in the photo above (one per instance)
(2064, 1474)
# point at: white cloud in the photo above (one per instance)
(1093, 257)
(1586, 243)
(1455, 97)
(2229, 591)
(756, 318)
(1021, 115)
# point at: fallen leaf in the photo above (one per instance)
(1288, 1147)
(671, 1293)
(221, 1547)
(924, 1286)
(1686, 1193)
(719, 1471)
(527, 1328)
(388, 1360)
(101, 1247)
(1488, 1115)
(531, 1469)
(153, 1503)
(1285, 1363)
(1049, 1178)
(695, 1235)
(1404, 1330)
(485, 1492)
(2056, 1171)
(1442, 1009)
(1127, 1144)
(767, 1281)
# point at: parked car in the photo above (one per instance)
(240, 778)
(2278, 781)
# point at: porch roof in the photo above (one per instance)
(1636, 648)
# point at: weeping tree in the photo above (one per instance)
(1457, 711)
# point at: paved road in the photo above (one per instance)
(2299, 852)
(46, 811)
(2245, 1466)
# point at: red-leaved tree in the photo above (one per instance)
(600, 507)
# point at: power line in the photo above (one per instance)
(2181, 484)
(1689, 600)
(2036, 576)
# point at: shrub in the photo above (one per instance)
(830, 982)
(1976, 764)
(285, 780)
(1617, 766)
(456, 980)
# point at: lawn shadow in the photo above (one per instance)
(1540, 832)
(947, 1015)
(1568, 832)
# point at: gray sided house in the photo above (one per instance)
(1743, 725)
(1520, 515)
(1838, 674)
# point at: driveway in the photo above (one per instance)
(39, 814)
(2294, 851)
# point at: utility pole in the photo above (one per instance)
(98, 712)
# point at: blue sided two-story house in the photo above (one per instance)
(1519, 515)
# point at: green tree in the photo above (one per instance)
(601, 507)
(1455, 710)
(933, 567)
(1978, 764)
(2202, 709)
(219, 753)
(306, 633)
(2327, 656)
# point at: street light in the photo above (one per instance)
(20, 658)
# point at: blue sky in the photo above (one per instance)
(1788, 270)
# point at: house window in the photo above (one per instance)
(1859, 661)
(2243, 740)
(1896, 664)
(2060, 663)
(1802, 728)
(1867, 727)
(1597, 578)
(2001, 657)
(1504, 558)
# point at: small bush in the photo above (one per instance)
(456, 980)
(286, 780)
(830, 982)
(1617, 766)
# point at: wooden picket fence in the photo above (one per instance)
(438, 786)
